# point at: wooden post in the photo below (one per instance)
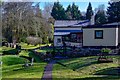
(32, 60)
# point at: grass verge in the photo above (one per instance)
(85, 68)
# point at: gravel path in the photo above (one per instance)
(48, 71)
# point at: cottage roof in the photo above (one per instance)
(108, 25)
(68, 31)
(71, 23)
(115, 23)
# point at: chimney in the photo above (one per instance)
(92, 20)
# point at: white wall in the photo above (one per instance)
(67, 43)
(73, 44)
(55, 41)
(110, 37)
(119, 36)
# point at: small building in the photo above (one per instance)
(69, 32)
(107, 35)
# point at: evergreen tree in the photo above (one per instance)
(68, 12)
(75, 12)
(113, 12)
(69, 8)
(100, 17)
(58, 12)
(89, 12)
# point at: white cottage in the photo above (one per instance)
(107, 35)
(69, 31)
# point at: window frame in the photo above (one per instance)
(73, 37)
(95, 34)
(59, 40)
(78, 37)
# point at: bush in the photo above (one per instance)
(11, 52)
(95, 52)
(28, 58)
(34, 40)
(106, 50)
(23, 39)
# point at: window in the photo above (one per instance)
(79, 37)
(76, 37)
(98, 34)
(65, 38)
(73, 37)
(58, 40)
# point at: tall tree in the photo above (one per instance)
(58, 12)
(113, 11)
(0, 22)
(68, 12)
(47, 10)
(75, 12)
(100, 16)
(41, 26)
(89, 12)
(16, 16)
(21, 19)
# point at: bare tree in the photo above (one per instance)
(16, 17)
(0, 22)
(21, 20)
(47, 10)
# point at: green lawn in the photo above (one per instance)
(26, 46)
(0, 50)
(24, 53)
(17, 71)
(12, 65)
(85, 67)
(30, 54)
(9, 60)
(44, 50)
(12, 68)
(37, 58)
(4, 48)
(50, 50)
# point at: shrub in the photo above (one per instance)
(103, 57)
(11, 52)
(34, 40)
(105, 50)
(26, 57)
(23, 39)
(12, 60)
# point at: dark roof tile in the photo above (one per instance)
(71, 23)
